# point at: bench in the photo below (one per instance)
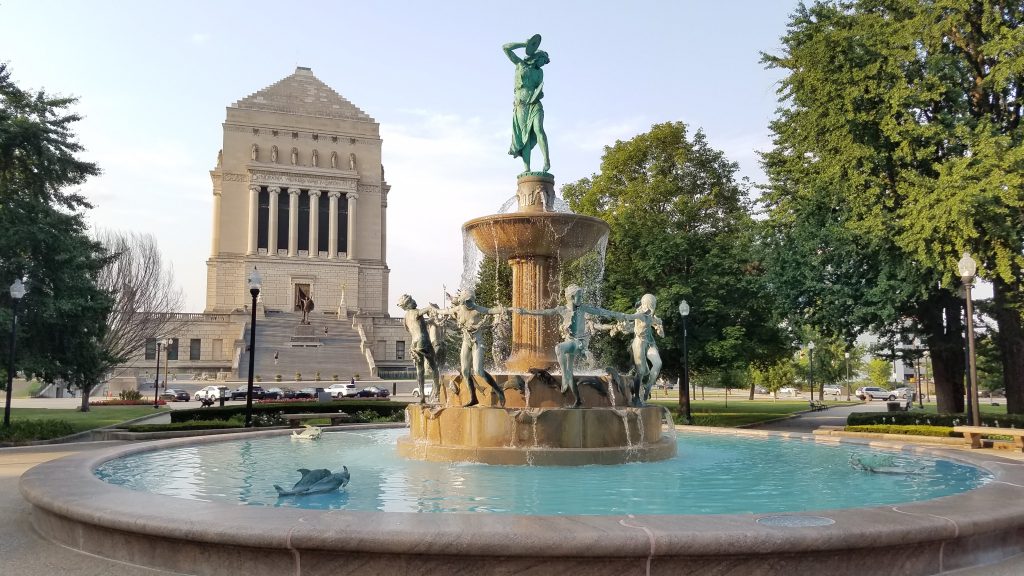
(974, 434)
(817, 405)
(335, 417)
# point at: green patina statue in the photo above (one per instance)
(528, 112)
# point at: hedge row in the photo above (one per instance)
(21, 431)
(926, 419)
(941, 431)
(384, 409)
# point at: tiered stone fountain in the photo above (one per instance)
(534, 426)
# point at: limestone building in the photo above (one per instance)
(299, 193)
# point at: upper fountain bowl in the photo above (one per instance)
(563, 235)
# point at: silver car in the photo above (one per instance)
(833, 389)
(874, 392)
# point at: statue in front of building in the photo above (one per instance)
(273, 154)
(306, 305)
(334, 159)
(316, 158)
(295, 156)
(254, 153)
(352, 161)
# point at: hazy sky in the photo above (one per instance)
(154, 79)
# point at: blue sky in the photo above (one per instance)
(154, 79)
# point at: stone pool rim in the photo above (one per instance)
(74, 508)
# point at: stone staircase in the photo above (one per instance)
(338, 352)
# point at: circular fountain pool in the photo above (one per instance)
(710, 475)
(648, 523)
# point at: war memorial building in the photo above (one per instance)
(299, 193)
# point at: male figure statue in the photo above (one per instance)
(422, 349)
(573, 327)
(528, 112)
(473, 319)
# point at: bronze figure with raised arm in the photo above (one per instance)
(421, 348)
(528, 112)
(643, 350)
(573, 327)
(473, 319)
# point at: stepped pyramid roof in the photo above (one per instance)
(305, 94)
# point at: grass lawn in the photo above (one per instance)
(96, 417)
(719, 413)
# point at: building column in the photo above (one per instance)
(254, 214)
(332, 223)
(352, 197)
(293, 221)
(314, 221)
(215, 239)
(272, 221)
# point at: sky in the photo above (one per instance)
(153, 81)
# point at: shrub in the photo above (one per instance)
(317, 377)
(334, 377)
(277, 378)
(383, 408)
(126, 403)
(190, 425)
(21, 431)
(259, 378)
(130, 395)
(926, 419)
(373, 416)
(942, 431)
(298, 376)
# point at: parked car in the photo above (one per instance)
(905, 392)
(873, 392)
(277, 393)
(343, 390)
(212, 393)
(787, 391)
(428, 389)
(833, 389)
(172, 395)
(760, 390)
(305, 393)
(373, 392)
(242, 391)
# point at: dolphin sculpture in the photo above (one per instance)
(317, 481)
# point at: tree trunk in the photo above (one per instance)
(85, 398)
(941, 320)
(1011, 343)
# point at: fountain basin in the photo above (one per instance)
(543, 437)
(74, 508)
(561, 235)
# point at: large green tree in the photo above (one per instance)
(897, 147)
(62, 319)
(681, 229)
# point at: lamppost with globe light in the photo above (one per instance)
(847, 355)
(255, 283)
(967, 268)
(684, 394)
(17, 292)
(810, 366)
(156, 381)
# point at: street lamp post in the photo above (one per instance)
(810, 367)
(255, 283)
(847, 355)
(967, 268)
(684, 393)
(926, 358)
(156, 380)
(17, 292)
(917, 376)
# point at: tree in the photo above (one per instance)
(879, 372)
(681, 229)
(145, 299)
(897, 146)
(42, 237)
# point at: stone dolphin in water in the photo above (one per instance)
(317, 481)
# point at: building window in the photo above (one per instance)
(263, 218)
(342, 224)
(303, 222)
(172, 350)
(283, 207)
(195, 346)
(150, 348)
(400, 350)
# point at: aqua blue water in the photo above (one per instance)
(712, 474)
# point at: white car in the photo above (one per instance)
(872, 392)
(212, 393)
(428, 389)
(343, 390)
(833, 389)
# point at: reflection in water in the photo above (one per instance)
(710, 475)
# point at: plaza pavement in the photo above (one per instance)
(24, 553)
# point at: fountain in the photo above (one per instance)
(183, 514)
